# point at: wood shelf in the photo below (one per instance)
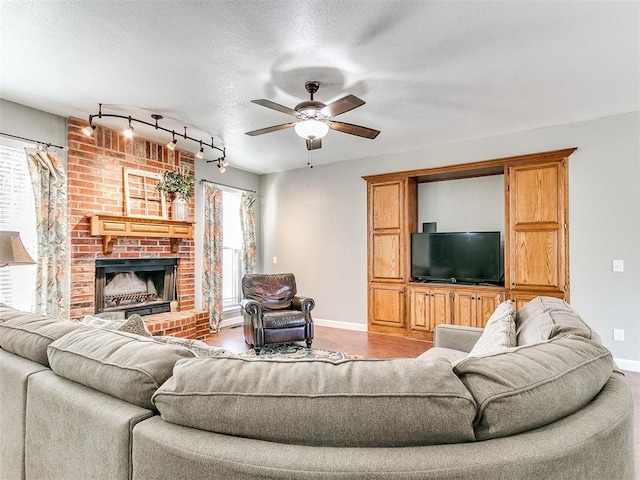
(109, 227)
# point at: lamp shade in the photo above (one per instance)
(311, 129)
(12, 251)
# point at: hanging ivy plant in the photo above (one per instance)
(178, 182)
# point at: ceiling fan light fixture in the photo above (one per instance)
(311, 129)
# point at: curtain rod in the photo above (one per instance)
(37, 142)
(202, 180)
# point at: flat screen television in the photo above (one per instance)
(466, 257)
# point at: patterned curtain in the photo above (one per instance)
(212, 256)
(248, 219)
(49, 182)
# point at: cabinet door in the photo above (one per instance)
(440, 308)
(427, 309)
(486, 303)
(392, 213)
(537, 239)
(386, 202)
(520, 299)
(473, 308)
(386, 308)
(419, 306)
(464, 308)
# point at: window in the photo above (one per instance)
(232, 267)
(17, 213)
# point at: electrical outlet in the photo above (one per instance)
(618, 335)
(275, 259)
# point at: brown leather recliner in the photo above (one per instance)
(273, 313)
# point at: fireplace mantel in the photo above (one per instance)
(110, 227)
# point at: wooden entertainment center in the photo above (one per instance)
(536, 245)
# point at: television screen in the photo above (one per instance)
(468, 257)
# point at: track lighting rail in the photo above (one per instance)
(172, 144)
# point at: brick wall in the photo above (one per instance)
(96, 186)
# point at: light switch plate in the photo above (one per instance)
(617, 265)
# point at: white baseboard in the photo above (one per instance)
(230, 322)
(358, 327)
(629, 365)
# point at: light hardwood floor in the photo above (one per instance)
(377, 345)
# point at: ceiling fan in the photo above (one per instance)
(314, 118)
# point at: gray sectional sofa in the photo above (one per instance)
(534, 395)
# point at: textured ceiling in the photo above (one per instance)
(429, 72)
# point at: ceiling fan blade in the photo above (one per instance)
(342, 105)
(274, 128)
(314, 144)
(274, 106)
(354, 129)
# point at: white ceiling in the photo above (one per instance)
(429, 71)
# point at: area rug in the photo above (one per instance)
(293, 351)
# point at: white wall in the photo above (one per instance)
(314, 221)
(16, 119)
(470, 204)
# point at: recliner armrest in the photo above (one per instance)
(304, 304)
(456, 337)
(251, 307)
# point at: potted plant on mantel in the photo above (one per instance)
(179, 183)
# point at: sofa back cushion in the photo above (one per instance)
(274, 291)
(534, 385)
(353, 403)
(546, 317)
(124, 365)
(29, 334)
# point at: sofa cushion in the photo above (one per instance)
(29, 334)
(499, 332)
(124, 365)
(450, 354)
(353, 403)
(7, 313)
(534, 385)
(546, 317)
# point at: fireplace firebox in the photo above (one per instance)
(135, 285)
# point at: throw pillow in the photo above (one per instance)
(200, 349)
(98, 322)
(499, 333)
(134, 324)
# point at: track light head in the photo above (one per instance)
(221, 168)
(128, 132)
(88, 130)
(172, 144)
(200, 153)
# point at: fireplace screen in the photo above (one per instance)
(143, 285)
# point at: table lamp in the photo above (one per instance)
(12, 251)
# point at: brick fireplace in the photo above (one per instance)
(95, 167)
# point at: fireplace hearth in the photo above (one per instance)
(145, 286)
